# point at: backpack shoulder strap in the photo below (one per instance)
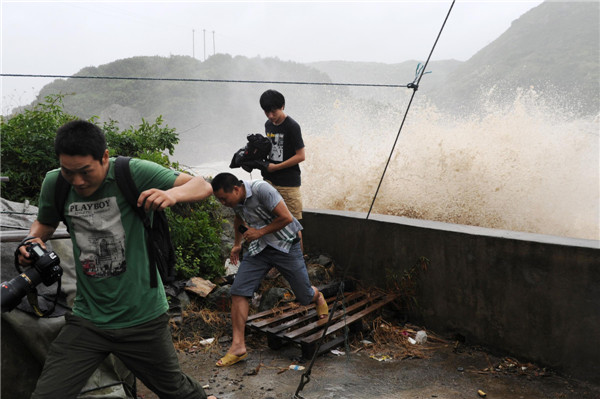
(128, 188)
(61, 191)
(131, 193)
(126, 184)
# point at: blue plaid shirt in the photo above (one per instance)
(256, 211)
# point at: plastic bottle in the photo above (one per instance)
(296, 367)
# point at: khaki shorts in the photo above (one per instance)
(292, 198)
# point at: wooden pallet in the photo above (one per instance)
(297, 324)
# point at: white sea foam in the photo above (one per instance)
(522, 167)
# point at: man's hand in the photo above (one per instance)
(185, 189)
(39, 232)
(155, 199)
(24, 257)
(252, 234)
(272, 167)
(298, 157)
(234, 257)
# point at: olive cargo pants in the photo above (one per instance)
(147, 350)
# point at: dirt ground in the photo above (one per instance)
(438, 368)
(378, 361)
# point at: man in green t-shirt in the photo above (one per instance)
(115, 310)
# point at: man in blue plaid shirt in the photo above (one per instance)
(263, 220)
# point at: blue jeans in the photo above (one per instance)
(291, 266)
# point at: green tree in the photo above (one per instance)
(147, 141)
(27, 141)
(27, 144)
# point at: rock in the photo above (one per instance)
(220, 298)
(324, 260)
(274, 297)
(317, 274)
(184, 300)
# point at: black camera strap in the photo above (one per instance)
(32, 298)
(32, 294)
(17, 253)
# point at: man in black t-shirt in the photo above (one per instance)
(283, 171)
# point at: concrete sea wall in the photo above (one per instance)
(533, 296)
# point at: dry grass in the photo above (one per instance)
(198, 324)
(390, 341)
(393, 341)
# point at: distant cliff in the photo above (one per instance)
(553, 48)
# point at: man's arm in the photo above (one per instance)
(42, 231)
(283, 217)
(237, 241)
(288, 163)
(185, 189)
(237, 222)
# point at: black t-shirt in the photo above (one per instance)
(286, 139)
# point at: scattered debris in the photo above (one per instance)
(230, 268)
(255, 370)
(421, 337)
(381, 358)
(207, 341)
(398, 341)
(511, 365)
(196, 324)
(200, 286)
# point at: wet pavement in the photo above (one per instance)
(445, 371)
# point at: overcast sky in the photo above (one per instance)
(60, 38)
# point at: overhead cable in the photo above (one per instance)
(305, 378)
(20, 75)
(415, 86)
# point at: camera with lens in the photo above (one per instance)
(45, 269)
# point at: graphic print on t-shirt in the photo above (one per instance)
(277, 147)
(100, 236)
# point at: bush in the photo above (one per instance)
(196, 234)
(27, 147)
(147, 141)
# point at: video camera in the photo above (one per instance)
(254, 155)
(45, 269)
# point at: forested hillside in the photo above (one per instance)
(553, 49)
(206, 114)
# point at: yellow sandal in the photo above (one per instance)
(322, 310)
(230, 359)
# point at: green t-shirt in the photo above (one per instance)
(109, 247)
